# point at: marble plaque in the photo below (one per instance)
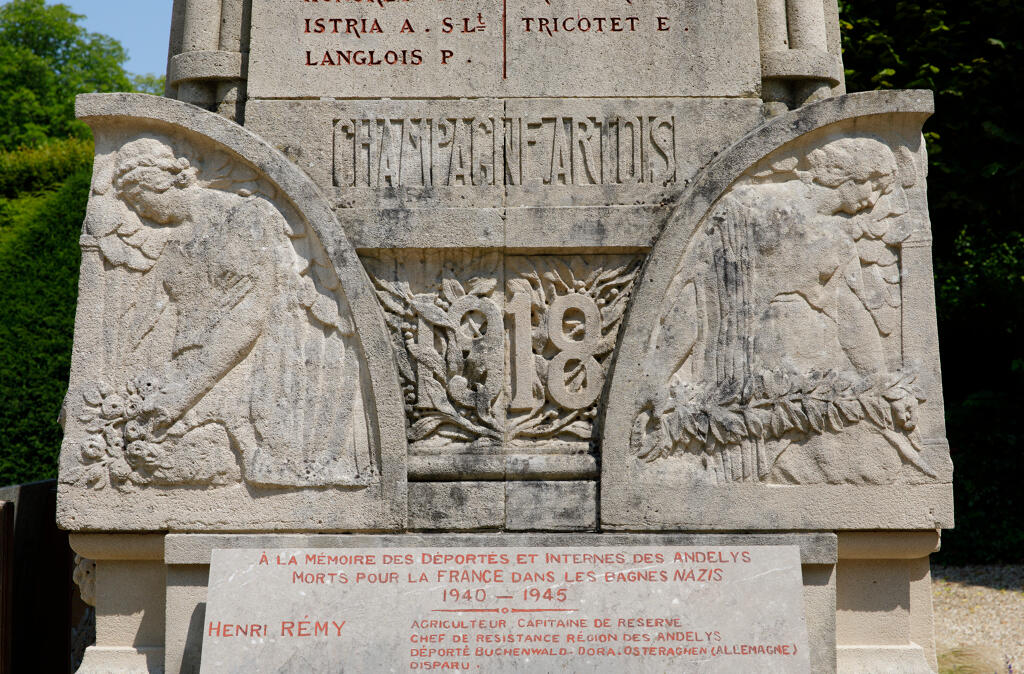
(507, 609)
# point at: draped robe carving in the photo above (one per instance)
(234, 352)
(782, 324)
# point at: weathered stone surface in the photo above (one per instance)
(553, 506)
(228, 345)
(820, 608)
(469, 153)
(503, 466)
(715, 609)
(770, 374)
(504, 503)
(518, 173)
(456, 506)
(450, 295)
(874, 618)
(185, 610)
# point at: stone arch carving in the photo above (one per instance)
(229, 346)
(764, 377)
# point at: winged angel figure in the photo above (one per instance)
(234, 351)
(783, 328)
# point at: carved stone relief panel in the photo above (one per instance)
(229, 354)
(779, 362)
(502, 354)
(785, 327)
(216, 350)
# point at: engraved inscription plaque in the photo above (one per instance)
(470, 48)
(505, 609)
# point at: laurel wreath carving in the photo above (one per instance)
(780, 405)
(461, 401)
(448, 389)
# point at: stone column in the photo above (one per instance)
(130, 589)
(211, 39)
(884, 603)
(174, 45)
(234, 38)
(774, 34)
(807, 34)
(200, 33)
(800, 64)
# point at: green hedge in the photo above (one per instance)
(39, 260)
(986, 434)
(969, 53)
(34, 169)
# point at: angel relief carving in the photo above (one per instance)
(229, 348)
(782, 330)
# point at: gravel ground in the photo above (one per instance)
(979, 614)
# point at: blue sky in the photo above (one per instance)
(143, 27)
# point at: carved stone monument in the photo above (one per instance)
(534, 273)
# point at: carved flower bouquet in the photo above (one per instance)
(121, 449)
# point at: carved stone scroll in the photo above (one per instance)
(770, 363)
(227, 343)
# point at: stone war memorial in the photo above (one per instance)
(506, 336)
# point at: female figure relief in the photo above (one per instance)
(795, 287)
(244, 355)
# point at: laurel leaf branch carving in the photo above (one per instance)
(780, 405)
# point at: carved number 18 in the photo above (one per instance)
(570, 351)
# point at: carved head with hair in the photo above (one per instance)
(857, 170)
(150, 179)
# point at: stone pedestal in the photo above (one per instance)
(867, 594)
(131, 586)
(884, 607)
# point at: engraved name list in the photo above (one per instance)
(442, 48)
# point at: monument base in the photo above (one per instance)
(867, 596)
(123, 660)
(131, 581)
(910, 658)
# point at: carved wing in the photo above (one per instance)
(308, 403)
(878, 283)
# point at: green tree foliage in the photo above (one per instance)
(149, 84)
(29, 170)
(969, 53)
(39, 260)
(46, 58)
